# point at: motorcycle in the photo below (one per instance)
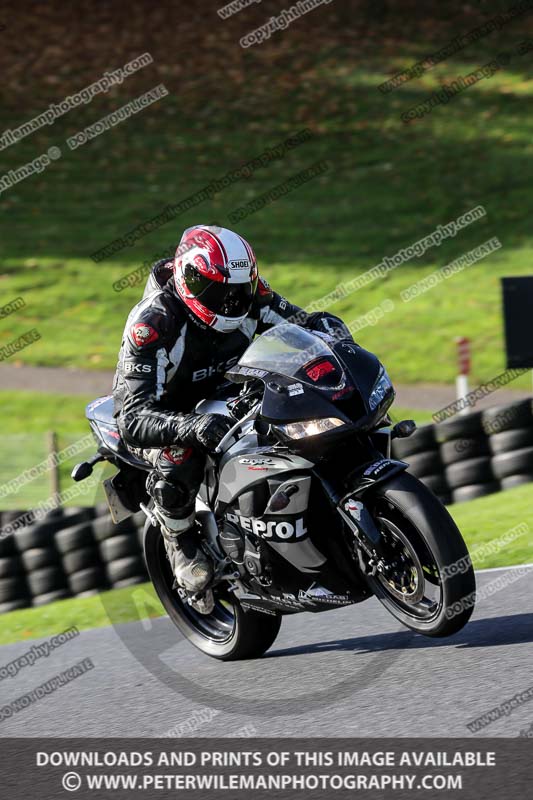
(302, 507)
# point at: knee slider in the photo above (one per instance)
(166, 494)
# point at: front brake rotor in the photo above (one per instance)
(403, 575)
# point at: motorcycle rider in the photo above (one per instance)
(198, 315)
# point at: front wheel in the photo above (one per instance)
(229, 633)
(426, 579)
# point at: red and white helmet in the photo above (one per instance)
(215, 273)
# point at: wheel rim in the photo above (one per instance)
(402, 576)
(411, 566)
(217, 627)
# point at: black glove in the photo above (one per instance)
(325, 322)
(203, 430)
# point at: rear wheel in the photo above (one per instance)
(426, 579)
(229, 633)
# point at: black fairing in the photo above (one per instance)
(362, 368)
(349, 403)
(279, 406)
(104, 427)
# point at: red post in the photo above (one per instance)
(464, 355)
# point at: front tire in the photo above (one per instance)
(229, 633)
(416, 523)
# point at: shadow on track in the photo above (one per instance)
(489, 632)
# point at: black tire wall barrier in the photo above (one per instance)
(474, 454)
(71, 552)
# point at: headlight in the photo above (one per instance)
(381, 387)
(312, 427)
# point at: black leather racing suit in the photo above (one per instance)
(168, 362)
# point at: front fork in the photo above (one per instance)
(350, 505)
(368, 536)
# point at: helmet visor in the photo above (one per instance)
(225, 299)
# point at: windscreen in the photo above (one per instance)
(296, 353)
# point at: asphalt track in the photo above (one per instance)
(349, 672)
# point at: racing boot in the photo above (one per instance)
(192, 568)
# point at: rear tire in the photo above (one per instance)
(229, 633)
(435, 538)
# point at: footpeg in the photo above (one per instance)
(204, 603)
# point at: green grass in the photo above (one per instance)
(33, 413)
(480, 521)
(420, 417)
(118, 605)
(388, 185)
(27, 417)
(488, 518)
